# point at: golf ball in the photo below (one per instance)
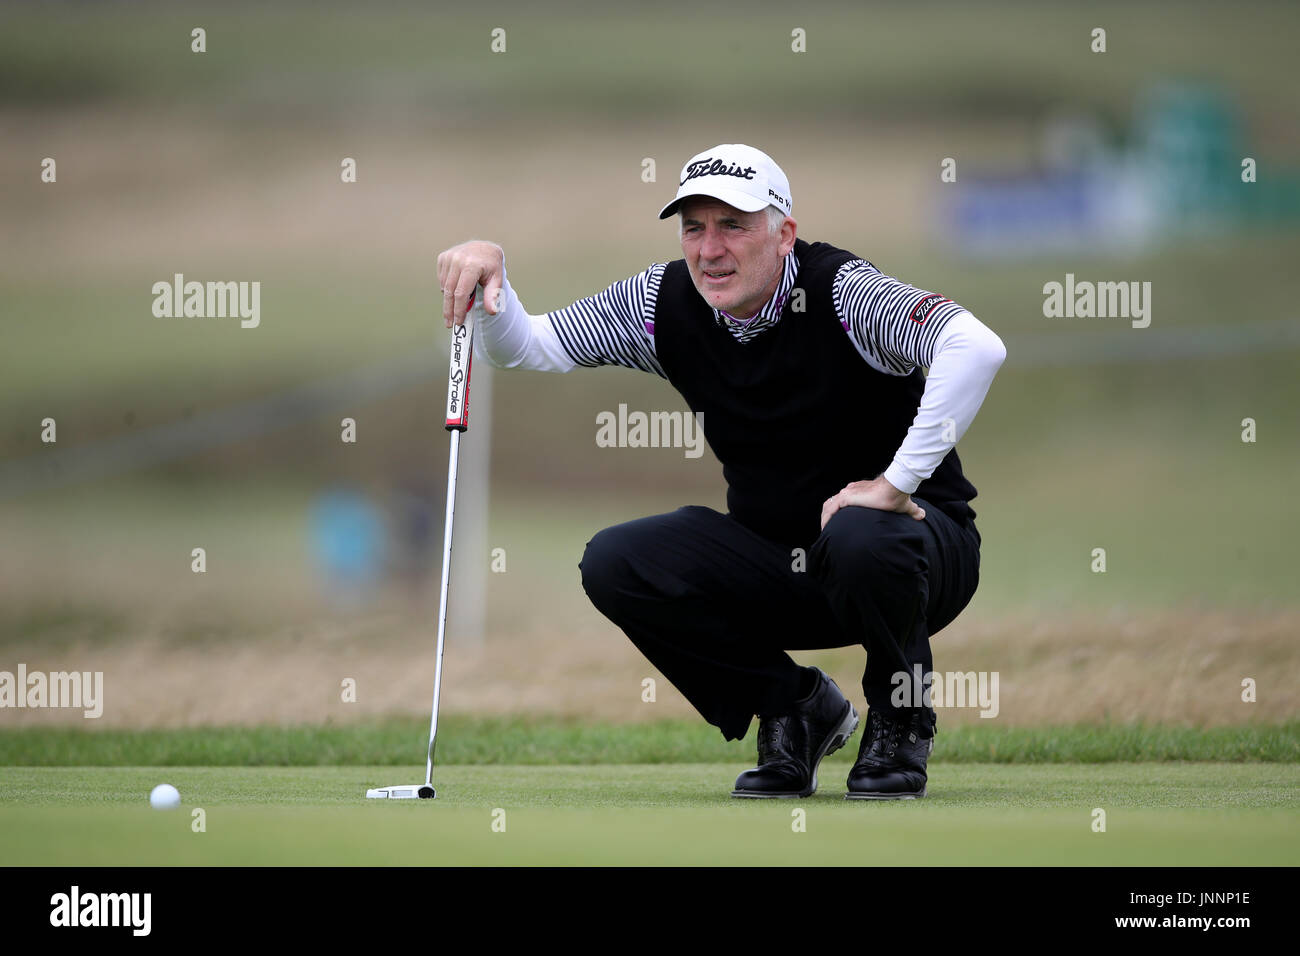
(164, 797)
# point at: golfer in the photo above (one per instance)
(848, 516)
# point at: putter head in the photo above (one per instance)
(414, 791)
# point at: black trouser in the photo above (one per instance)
(714, 606)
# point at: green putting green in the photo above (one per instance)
(1155, 814)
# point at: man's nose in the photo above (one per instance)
(712, 246)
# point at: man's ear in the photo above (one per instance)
(788, 230)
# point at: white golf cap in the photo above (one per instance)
(739, 175)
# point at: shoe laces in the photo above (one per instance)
(883, 738)
(770, 730)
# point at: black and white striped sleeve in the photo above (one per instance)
(892, 325)
(896, 328)
(613, 327)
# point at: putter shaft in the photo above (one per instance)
(452, 462)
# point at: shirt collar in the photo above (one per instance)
(770, 313)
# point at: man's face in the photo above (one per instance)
(734, 261)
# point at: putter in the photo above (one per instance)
(462, 358)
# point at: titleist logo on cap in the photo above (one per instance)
(716, 167)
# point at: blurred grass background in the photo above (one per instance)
(225, 165)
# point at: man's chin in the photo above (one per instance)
(720, 300)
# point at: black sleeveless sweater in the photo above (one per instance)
(796, 413)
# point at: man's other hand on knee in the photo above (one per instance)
(877, 493)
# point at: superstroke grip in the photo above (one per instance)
(461, 364)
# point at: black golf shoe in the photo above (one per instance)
(790, 747)
(891, 758)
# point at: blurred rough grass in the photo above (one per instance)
(518, 740)
(939, 59)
